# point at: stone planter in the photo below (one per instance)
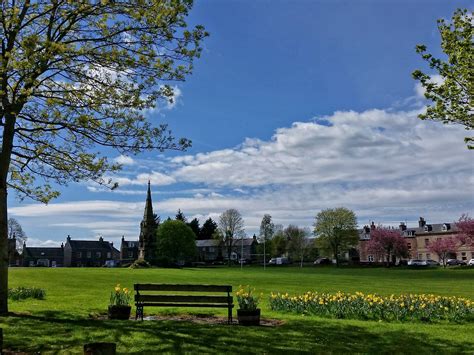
(248, 317)
(119, 312)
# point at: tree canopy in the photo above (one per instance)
(176, 242)
(208, 229)
(336, 230)
(453, 98)
(77, 74)
(386, 243)
(231, 226)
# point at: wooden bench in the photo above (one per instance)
(159, 295)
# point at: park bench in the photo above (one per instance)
(160, 295)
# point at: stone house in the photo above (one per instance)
(128, 251)
(42, 256)
(89, 252)
(209, 250)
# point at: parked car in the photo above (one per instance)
(471, 262)
(417, 262)
(431, 262)
(323, 261)
(279, 261)
(454, 262)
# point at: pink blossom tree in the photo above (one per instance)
(385, 242)
(442, 248)
(465, 226)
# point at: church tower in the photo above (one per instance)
(148, 226)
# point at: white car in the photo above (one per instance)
(417, 262)
(471, 262)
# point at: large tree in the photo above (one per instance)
(298, 243)
(176, 242)
(208, 229)
(387, 243)
(453, 97)
(194, 225)
(77, 74)
(16, 231)
(231, 226)
(267, 228)
(336, 230)
(465, 230)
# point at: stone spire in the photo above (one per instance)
(148, 226)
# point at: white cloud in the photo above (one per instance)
(124, 160)
(156, 178)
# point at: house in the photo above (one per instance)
(128, 251)
(209, 250)
(89, 252)
(42, 256)
(243, 248)
(418, 240)
(14, 258)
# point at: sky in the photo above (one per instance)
(293, 107)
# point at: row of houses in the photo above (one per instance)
(418, 240)
(97, 253)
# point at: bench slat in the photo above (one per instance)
(189, 288)
(213, 305)
(183, 298)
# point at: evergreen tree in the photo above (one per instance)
(194, 225)
(208, 229)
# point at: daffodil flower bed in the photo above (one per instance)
(247, 299)
(424, 307)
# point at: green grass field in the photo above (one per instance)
(75, 297)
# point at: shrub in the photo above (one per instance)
(372, 306)
(21, 293)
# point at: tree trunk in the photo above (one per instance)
(3, 251)
(336, 256)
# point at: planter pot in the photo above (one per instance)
(119, 312)
(248, 317)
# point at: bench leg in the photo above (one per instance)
(229, 317)
(139, 313)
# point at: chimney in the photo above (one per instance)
(372, 225)
(123, 238)
(402, 226)
(101, 239)
(68, 238)
(421, 222)
(62, 245)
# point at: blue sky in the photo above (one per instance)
(294, 106)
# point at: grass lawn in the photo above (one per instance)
(74, 297)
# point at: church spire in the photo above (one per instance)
(148, 214)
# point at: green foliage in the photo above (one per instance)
(176, 241)
(208, 229)
(180, 216)
(120, 296)
(76, 74)
(336, 230)
(279, 244)
(410, 307)
(453, 99)
(22, 293)
(194, 225)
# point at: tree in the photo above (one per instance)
(443, 248)
(16, 231)
(194, 225)
(267, 229)
(465, 234)
(231, 226)
(77, 74)
(387, 243)
(453, 98)
(176, 242)
(279, 243)
(335, 229)
(298, 243)
(208, 229)
(180, 216)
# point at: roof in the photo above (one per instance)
(40, 252)
(428, 229)
(207, 243)
(245, 241)
(90, 244)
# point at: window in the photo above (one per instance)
(409, 246)
(130, 254)
(79, 255)
(420, 256)
(464, 257)
(370, 258)
(110, 255)
(427, 242)
(89, 255)
(98, 254)
(428, 256)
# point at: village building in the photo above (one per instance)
(43, 256)
(14, 257)
(418, 240)
(128, 251)
(89, 252)
(148, 226)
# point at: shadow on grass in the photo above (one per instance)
(58, 331)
